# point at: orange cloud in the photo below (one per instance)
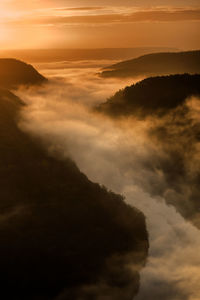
(112, 18)
(82, 8)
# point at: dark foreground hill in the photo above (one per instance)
(154, 95)
(14, 73)
(156, 64)
(61, 236)
(172, 130)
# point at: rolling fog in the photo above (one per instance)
(116, 153)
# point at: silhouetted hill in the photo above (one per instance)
(60, 234)
(14, 73)
(152, 95)
(173, 129)
(156, 64)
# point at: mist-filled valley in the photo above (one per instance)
(62, 236)
(100, 185)
(99, 150)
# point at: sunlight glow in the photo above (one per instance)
(38, 24)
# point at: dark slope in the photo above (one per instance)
(60, 234)
(156, 95)
(156, 64)
(14, 73)
(173, 128)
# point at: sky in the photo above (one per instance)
(99, 24)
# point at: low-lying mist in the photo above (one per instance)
(129, 156)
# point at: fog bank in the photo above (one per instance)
(119, 154)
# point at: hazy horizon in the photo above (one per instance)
(99, 54)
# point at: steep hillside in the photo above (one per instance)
(156, 95)
(62, 236)
(14, 73)
(169, 107)
(156, 64)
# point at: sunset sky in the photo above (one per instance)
(99, 24)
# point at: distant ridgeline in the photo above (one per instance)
(61, 235)
(154, 95)
(156, 64)
(14, 73)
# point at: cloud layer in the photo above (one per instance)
(126, 159)
(167, 15)
(62, 236)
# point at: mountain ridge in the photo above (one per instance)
(169, 108)
(164, 63)
(156, 95)
(14, 73)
